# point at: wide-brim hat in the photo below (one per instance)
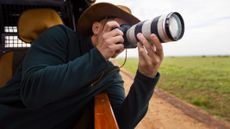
(98, 11)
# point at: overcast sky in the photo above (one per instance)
(207, 24)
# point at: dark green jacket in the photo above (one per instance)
(58, 80)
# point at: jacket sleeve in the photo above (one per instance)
(130, 110)
(48, 76)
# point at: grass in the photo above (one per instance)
(201, 81)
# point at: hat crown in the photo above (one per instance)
(99, 11)
(124, 8)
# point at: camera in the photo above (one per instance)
(169, 27)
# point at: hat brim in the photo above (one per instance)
(99, 11)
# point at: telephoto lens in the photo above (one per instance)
(168, 28)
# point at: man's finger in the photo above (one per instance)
(157, 45)
(116, 40)
(116, 32)
(117, 47)
(110, 25)
(145, 46)
(143, 57)
(146, 43)
(143, 40)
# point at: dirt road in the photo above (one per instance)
(168, 112)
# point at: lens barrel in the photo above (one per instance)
(168, 28)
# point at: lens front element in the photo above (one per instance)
(175, 26)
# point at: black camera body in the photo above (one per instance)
(127, 44)
(168, 28)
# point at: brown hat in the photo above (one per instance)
(99, 11)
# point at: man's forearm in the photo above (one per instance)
(136, 103)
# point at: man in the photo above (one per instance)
(63, 71)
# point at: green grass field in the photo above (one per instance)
(201, 81)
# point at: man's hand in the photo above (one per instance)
(150, 55)
(110, 40)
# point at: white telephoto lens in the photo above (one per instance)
(146, 29)
(130, 34)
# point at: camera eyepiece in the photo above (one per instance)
(168, 28)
